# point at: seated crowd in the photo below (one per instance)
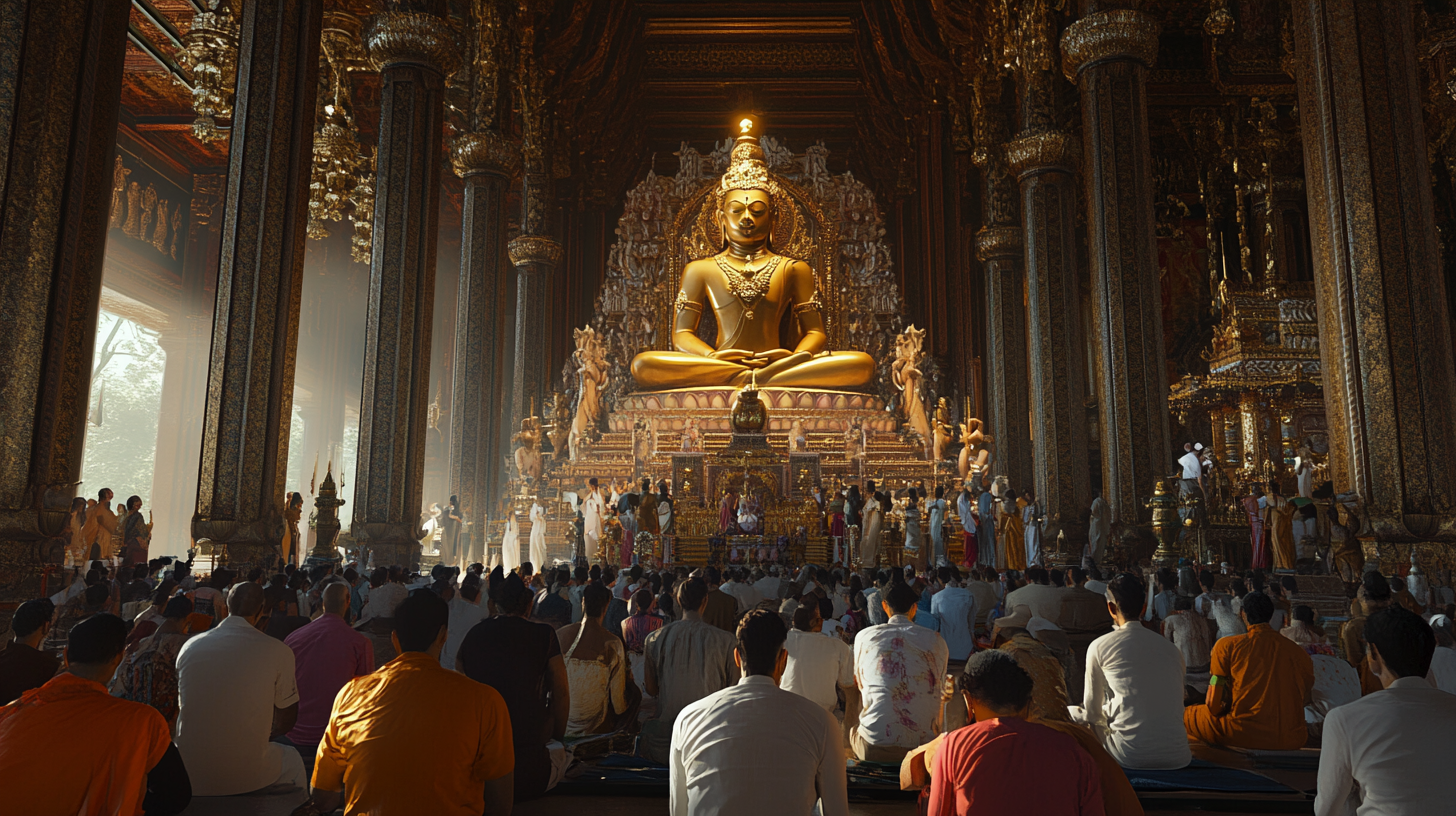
(753, 688)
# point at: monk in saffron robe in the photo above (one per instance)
(1012, 532)
(1261, 683)
(1279, 528)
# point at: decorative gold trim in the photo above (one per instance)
(998, 242)
(813, 304)
(484, 152)
(683, 302)
(1113, 34)
(1038, 150)
(533, 249)
(405, 37)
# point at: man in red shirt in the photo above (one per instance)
(999, 763)
(69, 747)
(327, 654)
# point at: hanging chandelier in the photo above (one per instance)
(341, 182)
(210, 53)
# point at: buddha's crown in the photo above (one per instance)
(747, 169)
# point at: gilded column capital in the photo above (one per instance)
(1113, 34)
(485, 151)
(1040, 150)
(395, 37)
(533, 249)
(993, 243)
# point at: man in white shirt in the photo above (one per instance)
(685, 661)
(900, 670)
(236, 691)
(754, 747)
(1133, 695)
(1192, 469)
(769, 587)
(1388, 752)
(818, 666)
(956, 608)
(985, 595)
(1044, 599)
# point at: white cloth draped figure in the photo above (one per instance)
(592, 511)
(538, 536)
(1099, 531)
(511, 544)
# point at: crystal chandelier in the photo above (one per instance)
(210, 52)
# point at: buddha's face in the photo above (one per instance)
(747, 216)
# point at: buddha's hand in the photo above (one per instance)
(773, 355)
(732, 355)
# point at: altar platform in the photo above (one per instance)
(817, 410)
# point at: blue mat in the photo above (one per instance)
(618, 769)
(1205, 776)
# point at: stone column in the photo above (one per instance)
(244, 460)
(478, 408)
(535, 258)
(1108, 54)
(415, 52)
(1007, 389)
(1043, 160)
(60, 71)
(1385, 341)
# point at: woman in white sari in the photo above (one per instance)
(538, 536)
(511, 543)
(874, 520)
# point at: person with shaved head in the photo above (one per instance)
(237, 691)
(327, 653)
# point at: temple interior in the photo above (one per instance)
(425, 282)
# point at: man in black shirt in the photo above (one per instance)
(522, 660)
(22, 665)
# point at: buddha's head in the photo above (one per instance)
(746, 196)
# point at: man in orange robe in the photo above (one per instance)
(1261, 683)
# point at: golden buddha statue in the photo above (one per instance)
(749, 287)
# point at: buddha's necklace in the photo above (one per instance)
(748, 284)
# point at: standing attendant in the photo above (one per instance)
(592, 510)
(965, 509)
(986, 535)
(452, 522)
(136, 534)
(914, 539)
(1011, 544)
(935, 509)
(1032, 518)
(538, 535)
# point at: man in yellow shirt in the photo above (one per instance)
(384, 735)
(1261, 683)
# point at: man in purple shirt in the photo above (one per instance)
(327, 654)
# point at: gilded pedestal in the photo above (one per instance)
(478, 407)
(1385, 341)
(1043, 161)
(260, 278)
(58, 112)
(1108, 55)
(415, 52)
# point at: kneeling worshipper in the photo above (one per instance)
(70, 748)
(754, 748)
(603, 696)
(1443, 661)
(1389, 752)
(237, 690)
(23, 666)
(899, 668)
(1132, 696)
(999, 763)
(1261, 682)
(415, 737)
(819, 666)
(687, 660)
(522, 660)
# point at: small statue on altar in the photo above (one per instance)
(528, 455)
(560, 427)
(944, 429)
(750, 513)
(906, 375)
(854, 441)
(591, 368)
(798, 441)
(692, 437)
(750, 288)
(975, 458)
(644, 441)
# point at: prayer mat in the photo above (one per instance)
(1303, 760)
(1204, 776)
